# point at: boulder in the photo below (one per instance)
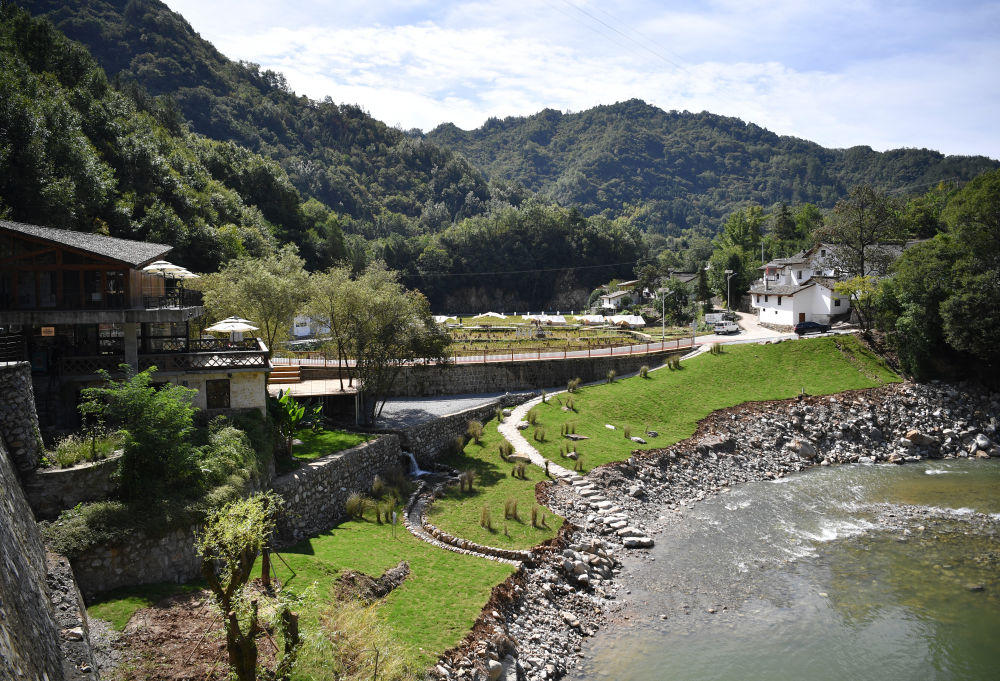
(637, 439)
(804, 448)
(920, 439)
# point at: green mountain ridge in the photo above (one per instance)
(676, 170)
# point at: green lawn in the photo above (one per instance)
(672, 402)
(323, 442)
(458, 513)
(431, 612)
(119, 605)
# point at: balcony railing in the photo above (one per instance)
(173, 299)
(205, 355)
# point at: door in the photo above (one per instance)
(802, 317)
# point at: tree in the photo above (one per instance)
(675, 302)
(861, 291)
(268, 291)
(783, 224)
(158, 421)
(229, 544)
(702, 292)
(861, 230)
(378, 324)
(288, 413)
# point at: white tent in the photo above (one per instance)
(631, 321)
(490, 314)
(441, 319)
(553, 319)
(591, 319)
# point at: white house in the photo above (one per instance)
(304, 326)
(799, 289)
(616, 300)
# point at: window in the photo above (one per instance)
(799, 275)
(217, 394)
(765, 299)
(779, 300)
(836, 302)
(822, 252)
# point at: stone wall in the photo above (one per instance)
(18, 422)
(143, 560)
(29, 636)
(316, 493)
(428, 440)
(454, 379)
(50, 490)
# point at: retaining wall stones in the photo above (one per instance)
(316, 493)
(428, 440)
(50, 490)
(143, 560)
(455, 379)
(29, 636)
(18, 421)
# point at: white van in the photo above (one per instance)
(723, 328)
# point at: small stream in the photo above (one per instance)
(854, 572)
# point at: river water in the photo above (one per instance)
(853, 572)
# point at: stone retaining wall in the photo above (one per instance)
(428, 440)
(455, 379)
(50, 490)
(316, 493)
(18, 422)
(143, 560)
(29, 636)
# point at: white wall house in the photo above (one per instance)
(304, 326)
(615, 300)
(798, 289)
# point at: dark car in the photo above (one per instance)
(802, 328)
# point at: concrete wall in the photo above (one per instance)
(247, 389)
(29, 636)
(423, 381)
(18, 422)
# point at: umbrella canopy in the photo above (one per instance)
(161, 267)
(232, 325)
(184, 274)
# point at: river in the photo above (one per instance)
(859, 572)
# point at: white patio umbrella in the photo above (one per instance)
(184, 274)
(233, 326)
(161, 267)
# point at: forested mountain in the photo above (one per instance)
(358, 166)
(674, 170)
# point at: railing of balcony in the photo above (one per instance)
(173, 299)
(211, 355)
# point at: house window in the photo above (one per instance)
(822, 252)
(779, 300)
(217, 394)
(765, 299)
(799, 275)
(836, 303)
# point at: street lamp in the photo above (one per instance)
(729, 275)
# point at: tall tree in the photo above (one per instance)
(269, 291)
(862, 229)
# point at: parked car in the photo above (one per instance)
(722, 328)
(802, 328)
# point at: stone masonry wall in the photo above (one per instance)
(18, 422)
(428, 440)
(50, 490)
(316, 493)
(454, 379)
(29, 636)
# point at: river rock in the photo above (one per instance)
(919, 439)
(637, 439)
(804, 448)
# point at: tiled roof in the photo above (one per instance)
(134, 253)
(780, 290)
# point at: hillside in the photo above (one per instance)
(675, 170)
(336, 153)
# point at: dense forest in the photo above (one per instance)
(144, 130)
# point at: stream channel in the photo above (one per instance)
(881, 573)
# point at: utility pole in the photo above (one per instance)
(729, 275)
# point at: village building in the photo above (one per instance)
(799, 289)
(73, 303)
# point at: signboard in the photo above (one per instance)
(48, 330)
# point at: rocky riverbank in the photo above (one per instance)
(534, 625)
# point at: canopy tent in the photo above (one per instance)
(497, 315)
(441, 318)
(591, 319)
(631, 321)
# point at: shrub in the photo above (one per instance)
(499, 415)
(545, 397)
(534, 515)
(465, 480)
(532, 416)
(378, 487)
(485, 521)
(539, 433)
(506, 449)
(520, 470)
(628, 432)
(644, 371)
(74, 449)
(578, 466)
(570, 404)
(458, 445)
(611, 375)
(716, 349)
(475, 431)
(573, 385)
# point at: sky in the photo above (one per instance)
(886, 74)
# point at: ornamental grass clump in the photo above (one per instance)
(485, 521)
(532, 416)
(520, 470)
(539, 434)
(475, 431)
(510, 509)
(506, 449)
(499, 415)
(356, 505)
(644, 371)
(627, 430)
(716, 349)
(465, 480)
(573, 384)
(611, 375)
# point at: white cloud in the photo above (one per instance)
(839, 74)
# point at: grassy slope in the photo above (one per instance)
(458, 513)
(430, 612)
(672, 402)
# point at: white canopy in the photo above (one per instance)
(232, 325)
(490, 314)
(162, 267)
(441, 319)
(591, 319)
(629, 320)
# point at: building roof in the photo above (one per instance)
(781, 290)
(134, 253)
(684, 277)
(616, 294)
